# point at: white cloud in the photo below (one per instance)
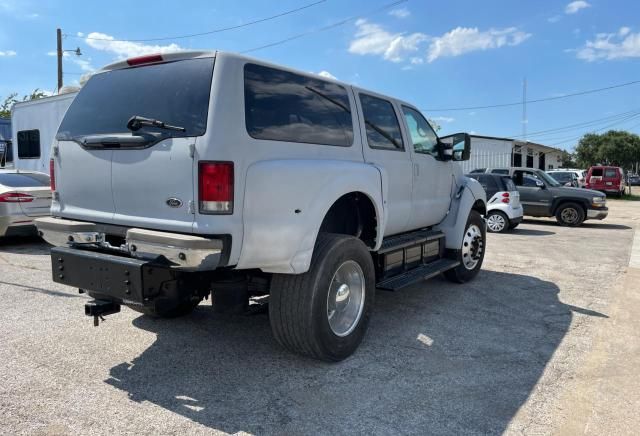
(575, 6)
(327, 74)
(400, 13)
(554, 19)
(7, 53)
(443, 119)
(609, 46)
(373, 39)
(126, 49)
(84, 64)
(463, 40)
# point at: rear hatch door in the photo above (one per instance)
(147, 170)
(611, 178)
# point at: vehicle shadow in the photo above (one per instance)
(438, 358)
(587, 225)
(531, 232)
(24, 245)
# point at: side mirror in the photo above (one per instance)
(455, 147)
(539, 184)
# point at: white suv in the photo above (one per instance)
(182, 175)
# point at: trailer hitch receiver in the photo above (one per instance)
(100, 308)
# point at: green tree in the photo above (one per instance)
(615, 147)
(11, 99)
(567, 160)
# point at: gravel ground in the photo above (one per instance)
(497, 355)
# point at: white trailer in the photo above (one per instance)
(34, 126)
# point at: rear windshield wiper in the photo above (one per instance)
(136, 122)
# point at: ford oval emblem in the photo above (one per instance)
(174, 202)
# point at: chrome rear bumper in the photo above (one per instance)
(184, 251)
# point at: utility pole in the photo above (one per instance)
(524, 110)
(59, 53)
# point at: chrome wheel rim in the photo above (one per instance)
(472, 247)
(569, 215)
(496, 222)
(345, 299)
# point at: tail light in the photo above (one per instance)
(505, 197)
(215, 187)
(147, 59)
(16, 197)
(52, 174)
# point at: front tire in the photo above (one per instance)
(471, 254)
(497, 222)
(324, 313)
(570, 215)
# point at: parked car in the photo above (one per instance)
(634, 180)
(607, 179)
(565, 178)
(23, 197)
(504, 211)
(580, 174)
(543, 196)
(175, 179)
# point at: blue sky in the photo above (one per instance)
(434, 54)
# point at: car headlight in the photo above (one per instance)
(599, 201)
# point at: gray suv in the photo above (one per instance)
(542, 196)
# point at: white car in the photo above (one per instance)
(177, 178)
(504, 211)
(581, 175)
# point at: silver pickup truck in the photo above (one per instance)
(180, 176)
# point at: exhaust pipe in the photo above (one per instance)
(100, 308)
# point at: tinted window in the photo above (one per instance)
(383, 130)
(596, 172)
(611, 173)
(283, 106)
(508, 184)
(530, 181)
(506, 172)
(562, 177)
(174, 92)
(488, 182)
(478, 170)
(29, 144)
(24, 180)
(423, 137)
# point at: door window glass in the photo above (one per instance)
(423, 137)
(383, 129)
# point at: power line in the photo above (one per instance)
(598, 130)
(210, 32)
(538, 100)
(577, 125)
(322, 29)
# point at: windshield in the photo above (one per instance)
(176, 93)
(562, 177)
(547, 178)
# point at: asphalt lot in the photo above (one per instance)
(539, 343)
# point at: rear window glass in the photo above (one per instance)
(28, 144)
(283, 106)
(508, 184)
(500, 172)
(176, 93)
(489, 182)
(28, 180)
(611, 173)
(597, 172)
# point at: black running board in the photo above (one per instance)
(415, 275)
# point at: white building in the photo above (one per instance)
(493, 152)
(34, 126)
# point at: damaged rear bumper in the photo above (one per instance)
(182, 251)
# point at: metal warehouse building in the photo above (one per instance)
(494, 152)
(5, 141)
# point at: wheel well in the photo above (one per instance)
(563, 201)
(352, 214)
(480, 207)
